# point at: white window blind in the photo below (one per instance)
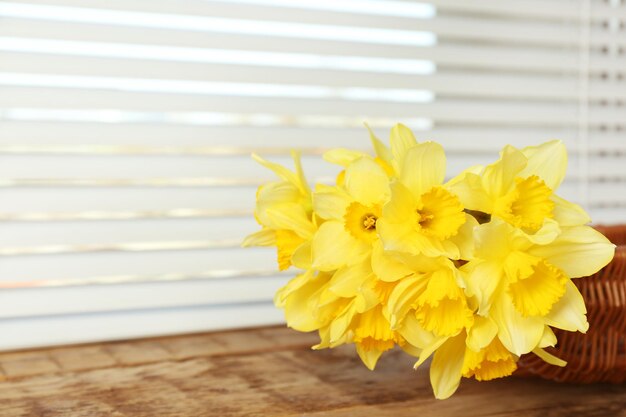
(126, 128)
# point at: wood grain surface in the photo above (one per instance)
(264, 372)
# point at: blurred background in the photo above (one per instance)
(126, 127)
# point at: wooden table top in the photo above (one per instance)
(264, 372)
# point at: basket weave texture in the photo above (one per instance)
(600, 354)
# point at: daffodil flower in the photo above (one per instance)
(361, 320)
(422, 216)
(473, 352)
(284, 210)
(350, 213)
(295, 298)
(520, 188)
(523, 282)
(434, 296)
(373, 336)
(366, 317)
(476, 353)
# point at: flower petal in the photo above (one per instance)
(424, 167)
(411, 350)
(264, 237)
(291, 217)
(294, 284)
(325, 342)
(413, 332)
(401, 140)
(424, 264)
(548, 161)
(347, 281)
(569, 313)
(301, 257)
(365, 299)
(403, 297)
(483, 279)
(579, 251)
(302, 182)
(481, 333)
(445, 370)
(330, 202)
(499, 177)
(469, 188)
(546, 234)
(279, 170)
(367, 182)
(569, 214)
(464, 239)
(493, 240)
(273, 195)
(287, 242)
(548, 338)
(401, 237)
(340, 324)
(333, 247)
(386, 267)
(442, 306)
(368, 356)
(550, 358)
(429, 350)
(401, 206)
(382, 151)
(297, 313)
(343, 157)
(518, 334)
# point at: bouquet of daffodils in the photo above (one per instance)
(475, 271)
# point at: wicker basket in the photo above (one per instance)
(599, 355)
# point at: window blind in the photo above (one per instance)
(126, 127)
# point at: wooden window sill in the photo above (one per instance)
(263, 372)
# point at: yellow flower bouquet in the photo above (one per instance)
(475, 271)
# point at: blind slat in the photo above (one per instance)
(454, 84)
(447, 83)
(33, 234)
(235, 168)
(450, 111)
(138, 296)
(455, 139)
(70, 266)
(162, 13)
(554, 10)
(469, 29)
(484, 56)
(55, 330)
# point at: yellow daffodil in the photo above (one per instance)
(493, 361)
(296, 298)
(363, 319)
(284, 210)
(523, 282)
(520, 188)
(422, 216)
(364, 325)
(419, 225)
(351, 214)
(373, 336)
(434, 296)
(474, 352)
